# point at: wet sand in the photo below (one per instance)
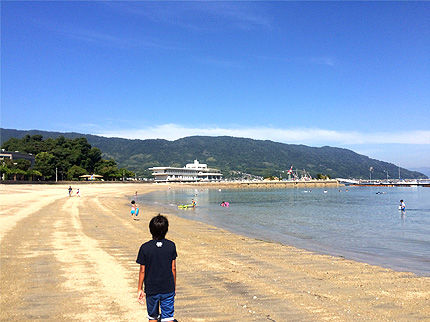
(74, 259)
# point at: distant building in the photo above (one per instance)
(192, 172)
(17, 155)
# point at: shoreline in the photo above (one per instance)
(221, 275)
(371, 258)
(259, 184)
(226, 184)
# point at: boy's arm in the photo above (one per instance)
(174, 271)
(140, 292)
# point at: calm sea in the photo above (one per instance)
(360, 223)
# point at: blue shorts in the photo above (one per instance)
(164, 301)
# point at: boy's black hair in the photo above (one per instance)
(133, 202)
(158, 226)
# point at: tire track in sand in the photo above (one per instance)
(102, 281)
(29, 279)
(12, 213)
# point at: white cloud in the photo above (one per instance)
(323, 61)
(238, 15)
(310, 136)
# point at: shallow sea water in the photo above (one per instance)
(360, 223)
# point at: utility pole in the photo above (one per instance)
(56, 175)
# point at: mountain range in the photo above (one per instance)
(233, 156)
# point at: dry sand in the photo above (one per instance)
(74, 259)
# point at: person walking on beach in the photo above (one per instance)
(157, 274)
(77, 193)
(70, 191)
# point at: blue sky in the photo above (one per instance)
(346, 74)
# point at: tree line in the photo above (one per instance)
(68, 159)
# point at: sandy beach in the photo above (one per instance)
(74, 258)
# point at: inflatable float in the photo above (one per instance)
(185, 206)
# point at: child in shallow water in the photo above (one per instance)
(402, 206)
(134, 210)
(224, 204)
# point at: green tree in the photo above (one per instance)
(126, 173)
(45, 163)
(17, 173)
(22, 164)
(62, 154)
(31, 174)
(15, 169)
(322, 176)
(75, 171)
(4, 172)
(108, 169)
(94, 156)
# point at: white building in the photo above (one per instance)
(192, 172)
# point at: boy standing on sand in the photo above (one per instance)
(157, 259)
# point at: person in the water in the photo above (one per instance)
(134, 210)
(224, 204)
(402, 206)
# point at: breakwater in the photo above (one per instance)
(268, 184)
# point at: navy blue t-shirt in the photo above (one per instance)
(157, 256)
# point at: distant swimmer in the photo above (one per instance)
(194, 204)
(225, 204)
(402, 205)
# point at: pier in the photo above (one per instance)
(387, 183)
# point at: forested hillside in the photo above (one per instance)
(62, 158)
(232, 155)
